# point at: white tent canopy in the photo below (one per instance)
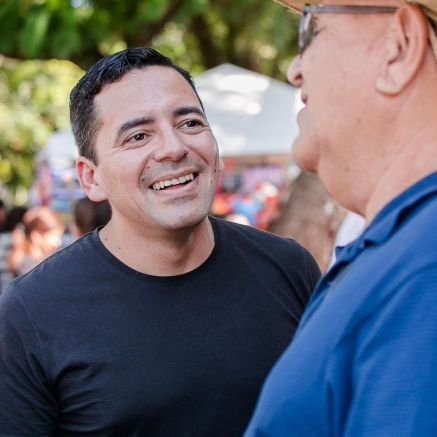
(250, 114)
(60, 150)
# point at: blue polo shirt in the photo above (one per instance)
(364, 359)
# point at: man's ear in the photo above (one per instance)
(88, 177)
(221, 165)
(406, 45)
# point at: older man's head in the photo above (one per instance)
(368, 76)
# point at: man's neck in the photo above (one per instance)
(169, 253)
(413, 163)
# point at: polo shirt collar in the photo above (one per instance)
(380, 230)
(386, 221)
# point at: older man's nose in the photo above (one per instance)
(294, 72)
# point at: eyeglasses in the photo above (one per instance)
(308, 28)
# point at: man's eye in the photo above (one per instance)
(137, 137)
(193, 123)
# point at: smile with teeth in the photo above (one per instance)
(161, 185)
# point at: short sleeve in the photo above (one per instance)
(27, 407)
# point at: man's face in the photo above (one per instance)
(336, 75)
(158, 160)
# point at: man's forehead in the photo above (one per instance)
(153, 75)
(144, 93)
(153, 83)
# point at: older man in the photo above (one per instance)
(364, 358)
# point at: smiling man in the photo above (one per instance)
(363, 361)
(165, 321)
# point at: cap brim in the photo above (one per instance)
(429, 6)
(295, 5)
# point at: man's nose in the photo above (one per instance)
(171, 147)
(294, 72)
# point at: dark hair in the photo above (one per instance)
(14, 217)
(107, 70)
(89, 215)
(3, 215)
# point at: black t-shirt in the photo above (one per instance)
(89, 346)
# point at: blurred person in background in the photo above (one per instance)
(89, 215)
(165, 321)
(4, 247)
(3, 213)
(39, 236)
(363, 361)
(14, 218)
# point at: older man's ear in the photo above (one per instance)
(406, 45)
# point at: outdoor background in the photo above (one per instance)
(45, 46)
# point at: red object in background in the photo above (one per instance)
(221, 204)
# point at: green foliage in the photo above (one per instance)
(258, 34)
(33, 103)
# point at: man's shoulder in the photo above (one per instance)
(269, 247)
(62, 269)
(253, 234)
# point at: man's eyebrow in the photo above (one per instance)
(185, 110)
(141, 121)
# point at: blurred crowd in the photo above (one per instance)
(258, 207)
(28, 235)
